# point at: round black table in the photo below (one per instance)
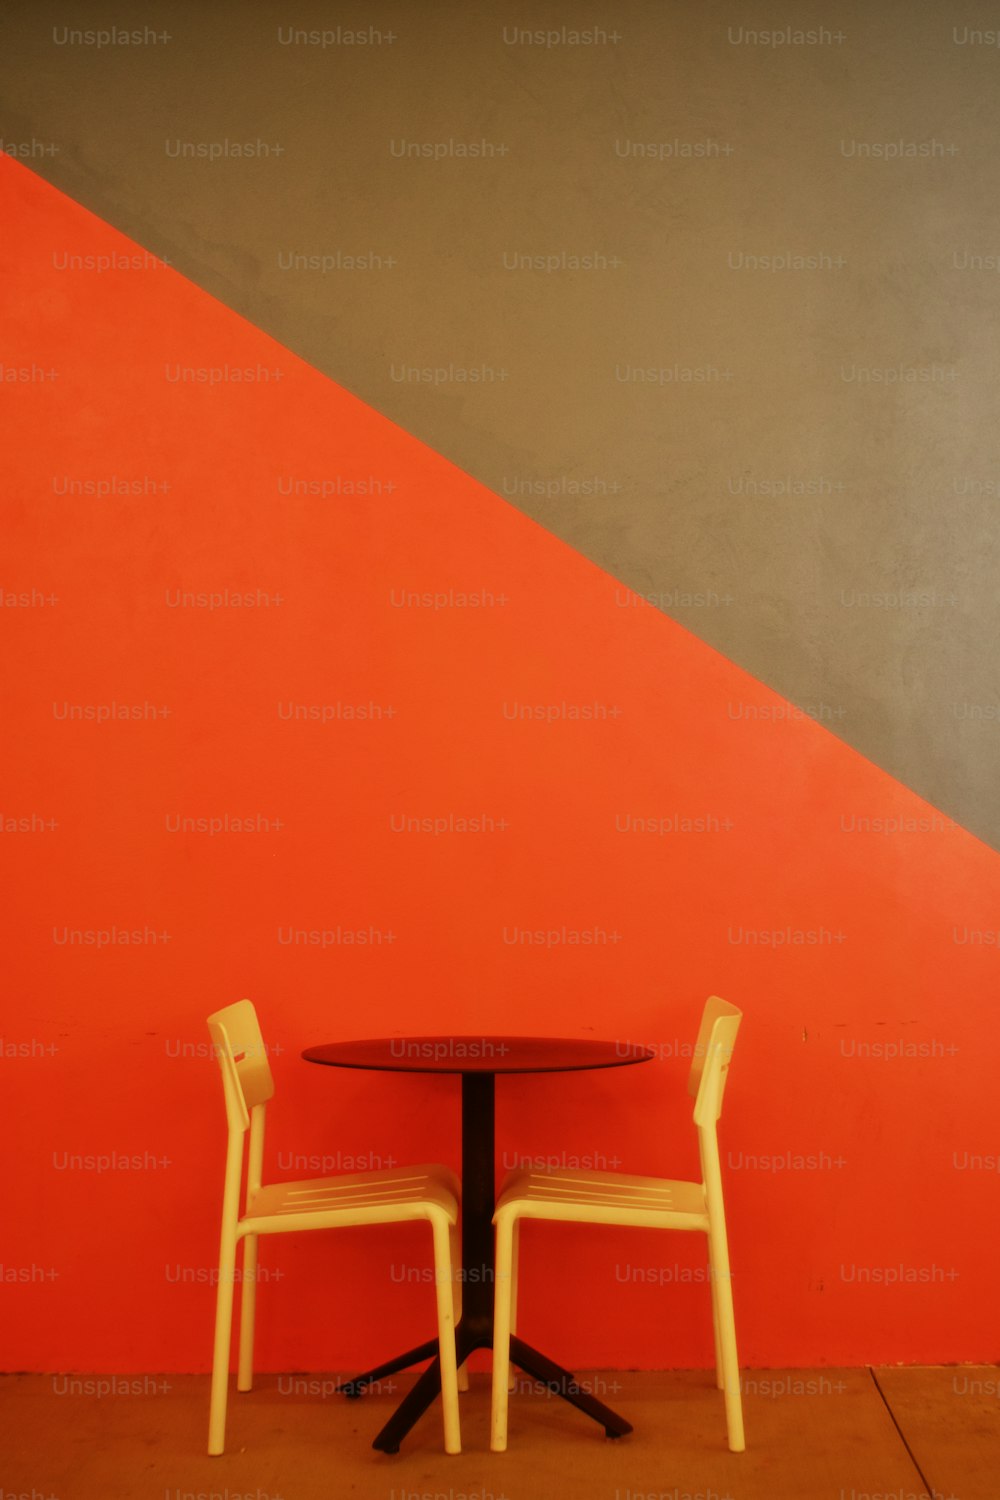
(479, 1059)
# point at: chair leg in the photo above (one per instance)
(713, 1280)
(223, 1336)
(501, 1331)
(456, 1268)
(515, 1252)
(727, 1337)
(444, 1280)
(248, 1303)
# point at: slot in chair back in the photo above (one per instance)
(246, 1072)
(713, 1052)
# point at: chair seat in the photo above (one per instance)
(604, 1198)
(364, 1197)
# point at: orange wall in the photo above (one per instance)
(862, 1090)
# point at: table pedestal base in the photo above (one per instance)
(559, 1382)
(475, 1327)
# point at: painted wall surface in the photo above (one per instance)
(303, 702)
(765, 399)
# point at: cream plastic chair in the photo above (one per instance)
(649, 1202)
(387, 1197)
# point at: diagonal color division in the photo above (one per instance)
(298, 709)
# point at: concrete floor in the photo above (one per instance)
(896, 1434)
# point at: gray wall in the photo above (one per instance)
(676, 146)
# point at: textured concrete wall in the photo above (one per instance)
(730, 293)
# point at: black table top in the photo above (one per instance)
(479, 1054)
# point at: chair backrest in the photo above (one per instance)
(246, 1073)
(713, 1050)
